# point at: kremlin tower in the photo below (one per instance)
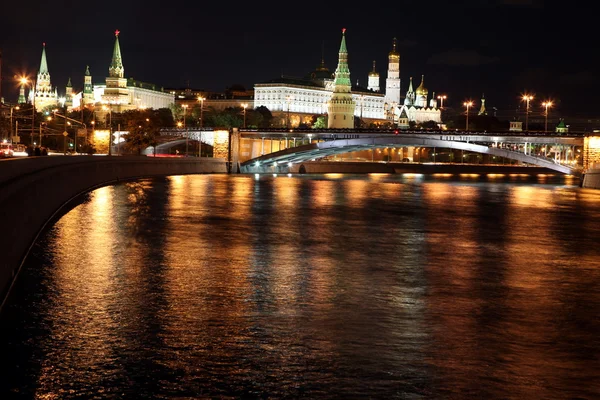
(44, 95)
(88, 90)
(342, 105)
(116, 91)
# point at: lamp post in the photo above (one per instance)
(244, 106)
(467, 104)
(201, 100)
(527, 99)
(441, 98)
(185, 106)
(25, 81)
(546, 104)
(109, 108)
(11, 120)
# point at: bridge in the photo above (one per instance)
(555, 152)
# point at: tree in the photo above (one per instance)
(143, 127)
(267, 117)
(320, 123)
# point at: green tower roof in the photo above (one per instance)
(116, 66)
(44, 63)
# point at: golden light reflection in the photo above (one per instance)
(357, 190)
(323, 193)
(286, 192)
(83, 286)
(333, 176)
(528, 196)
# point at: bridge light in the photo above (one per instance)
(396, 132)
(274, 163)
(290, 164)
(256, 164)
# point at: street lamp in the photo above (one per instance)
(527, 99)
(201, 100)
(25, 81)
(185, 106)
(244, 106)
(11, 120)
(109, 108)
(441, 98)
(468, 104)
(546, 104)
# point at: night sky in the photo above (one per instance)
(502, 48)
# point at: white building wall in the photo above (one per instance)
(139, 97)
(312, 100)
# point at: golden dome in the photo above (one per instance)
(422, 90)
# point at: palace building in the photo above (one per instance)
(296, 101)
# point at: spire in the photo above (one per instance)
(69, 83)
(342, 73)
(374, 72)
(87, 70)
(410, 88)
(43, 63)
(482, 110)
(394, 52)
(116, 66)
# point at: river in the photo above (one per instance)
(320, 287)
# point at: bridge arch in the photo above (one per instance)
(281, 161)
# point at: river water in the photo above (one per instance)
(318, 287)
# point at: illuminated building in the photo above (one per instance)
(45, 95)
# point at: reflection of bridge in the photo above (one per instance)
(292, 147)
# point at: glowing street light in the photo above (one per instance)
(201, 100)
(185, 106)
(546, 105)
(441, 98)
(24, 81)
(468, 104)
(527, 98)
(244, 106)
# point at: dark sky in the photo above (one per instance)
(502, 48)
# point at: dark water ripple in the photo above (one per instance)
(329, 287)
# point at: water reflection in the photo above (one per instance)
(375, 286)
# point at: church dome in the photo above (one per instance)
(422, 90)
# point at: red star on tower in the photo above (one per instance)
(117, 32)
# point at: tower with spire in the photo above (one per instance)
(342, 105)
(88, 90)
(373, 81)
(116, 91)
(69, 94)
(392, 83)
(482, 110)
(409, 100)
(45, 96)
(22, 99)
